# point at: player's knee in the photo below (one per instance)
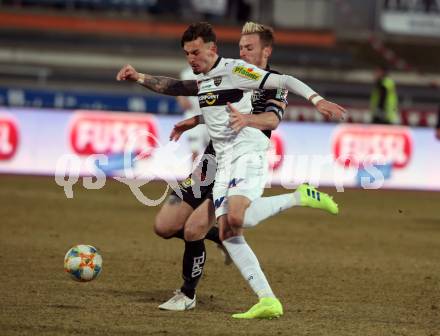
(161, 229)
(193, 232)
(226, 233)
(235, 220)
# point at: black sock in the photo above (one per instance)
(179, 234)
(213, 235)
(193, 262)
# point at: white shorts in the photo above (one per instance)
(198, 138)
(245, 176)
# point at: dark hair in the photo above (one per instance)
(200, 29)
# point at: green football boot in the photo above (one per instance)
(266, 308)
(313, 198)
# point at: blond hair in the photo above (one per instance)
(265, 32)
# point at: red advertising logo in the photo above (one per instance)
(8, 138)
(276, 151)
(358, 145)
(109, 133)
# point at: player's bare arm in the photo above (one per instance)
(263, 121)
(183, 126)
(160, 84)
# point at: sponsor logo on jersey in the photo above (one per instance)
(9, 138)
(220, 97)
(246, 72)
(256, 95)
(217, 80)
(105, 133)
(358, 146)
(208, 98)
(282, 95)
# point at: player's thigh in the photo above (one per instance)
(172, 216)
(248, 178)
(200, 221)
(237, 206)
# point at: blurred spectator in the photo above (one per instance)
(384, 99)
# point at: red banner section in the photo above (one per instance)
(276, 151)
(357, 145)
(112, 133)
(9, 138)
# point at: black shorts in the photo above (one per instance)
(193, 193)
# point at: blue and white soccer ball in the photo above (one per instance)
(83, 262)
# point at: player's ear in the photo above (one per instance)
(267, 51)
(212, 47)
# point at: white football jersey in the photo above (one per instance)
(231, 80)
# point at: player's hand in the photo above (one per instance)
(331, 110)
(127, 72)
(183, 126)
(237, 121)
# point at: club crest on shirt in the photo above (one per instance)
(246, 72)
(217, 80)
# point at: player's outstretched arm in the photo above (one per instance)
(294, 85)
(164, 85)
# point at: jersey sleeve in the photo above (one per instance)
(289, 83)
(246, 76)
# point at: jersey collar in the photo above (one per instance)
(215, 64)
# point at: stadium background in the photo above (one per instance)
(373, 270)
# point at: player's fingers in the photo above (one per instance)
(344, 110)
(324, 112)
(231, 108)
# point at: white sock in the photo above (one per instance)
(265, 207)
(247, 262)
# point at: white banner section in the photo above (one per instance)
(128, 145)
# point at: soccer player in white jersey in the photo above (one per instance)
(198, 137)
(241, 156)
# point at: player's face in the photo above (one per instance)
(200, 55)
(252, 50)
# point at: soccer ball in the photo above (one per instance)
(83, 262)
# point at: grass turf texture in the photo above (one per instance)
(372, 270)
